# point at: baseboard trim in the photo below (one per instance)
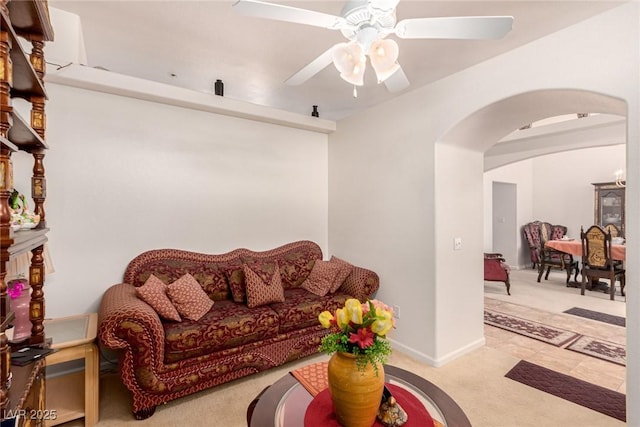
(437, 362)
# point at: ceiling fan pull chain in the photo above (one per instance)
(355, 91)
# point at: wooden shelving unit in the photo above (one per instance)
(22, 389)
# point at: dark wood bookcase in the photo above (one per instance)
(22, 389)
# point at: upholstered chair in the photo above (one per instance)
(496, 269)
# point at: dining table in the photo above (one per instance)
(574, 247)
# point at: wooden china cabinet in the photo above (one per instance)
(609, 205)
(22, 389)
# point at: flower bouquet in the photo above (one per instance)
(359, 350)
(359, 329)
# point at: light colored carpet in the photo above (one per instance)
(475, 381)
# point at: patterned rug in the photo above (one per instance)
(603, 400)
(601, 349)
(529, 328)
(596, 315)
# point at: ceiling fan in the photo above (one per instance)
(366, 24)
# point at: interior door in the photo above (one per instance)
(504, 223)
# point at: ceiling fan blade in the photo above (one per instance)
(459, 27)
(311, 69)
(397, 81)
(260, 9)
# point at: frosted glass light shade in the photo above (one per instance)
(350, 61)
(384, 56)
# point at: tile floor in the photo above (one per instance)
(544, 302)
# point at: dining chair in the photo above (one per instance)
(496, 269)
(531, 233)
(613, 230)
(551, 258)
(596, 259)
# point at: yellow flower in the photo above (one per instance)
(383, 322)
(341, 318)
(381, 327)
(354, 310)
(325, 318)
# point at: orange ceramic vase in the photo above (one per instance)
(356, 394)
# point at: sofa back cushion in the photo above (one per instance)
(294, 259)
(170, 264)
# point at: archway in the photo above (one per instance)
(463, 148)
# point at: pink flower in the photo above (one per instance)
(16, 290)
(364, 338)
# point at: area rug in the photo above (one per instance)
(596, 315)
(529, 328)
(603, 400)
(595, 347)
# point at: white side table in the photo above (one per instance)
(74, 395)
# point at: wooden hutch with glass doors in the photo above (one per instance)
(24, 28)
(609, 205)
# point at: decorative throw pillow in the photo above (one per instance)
(235, 277)
(261, 292)
(321, 278)
(345, 271)
(189, 298)
(154, 293)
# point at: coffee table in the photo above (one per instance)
(284, 403)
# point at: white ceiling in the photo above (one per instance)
(192, 43)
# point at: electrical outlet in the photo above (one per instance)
(396, 311)
(457, 243)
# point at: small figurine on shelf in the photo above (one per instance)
(21, 217)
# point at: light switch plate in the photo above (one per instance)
(457, 243)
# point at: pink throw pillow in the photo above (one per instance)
(321, 277)
(154, 293)
(189, 298)
(261, 292)
(345, 271)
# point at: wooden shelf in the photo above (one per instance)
(65, 395)
(26, 240)
(25, 80)
(8, 144)
(31, 19)
(23, 21)
(22, 135)
(8, 319)
(22, 379)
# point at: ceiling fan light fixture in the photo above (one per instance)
(350, 61)
(355, 77)
(384, 58)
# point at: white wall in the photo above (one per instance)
(573, 188)
(555, 188)
(126, 175)
(599, 55)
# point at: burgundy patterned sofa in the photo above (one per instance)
(161, 360)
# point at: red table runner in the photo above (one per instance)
(320, 410)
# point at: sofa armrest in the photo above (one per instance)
(361, 283)
(127, 322)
